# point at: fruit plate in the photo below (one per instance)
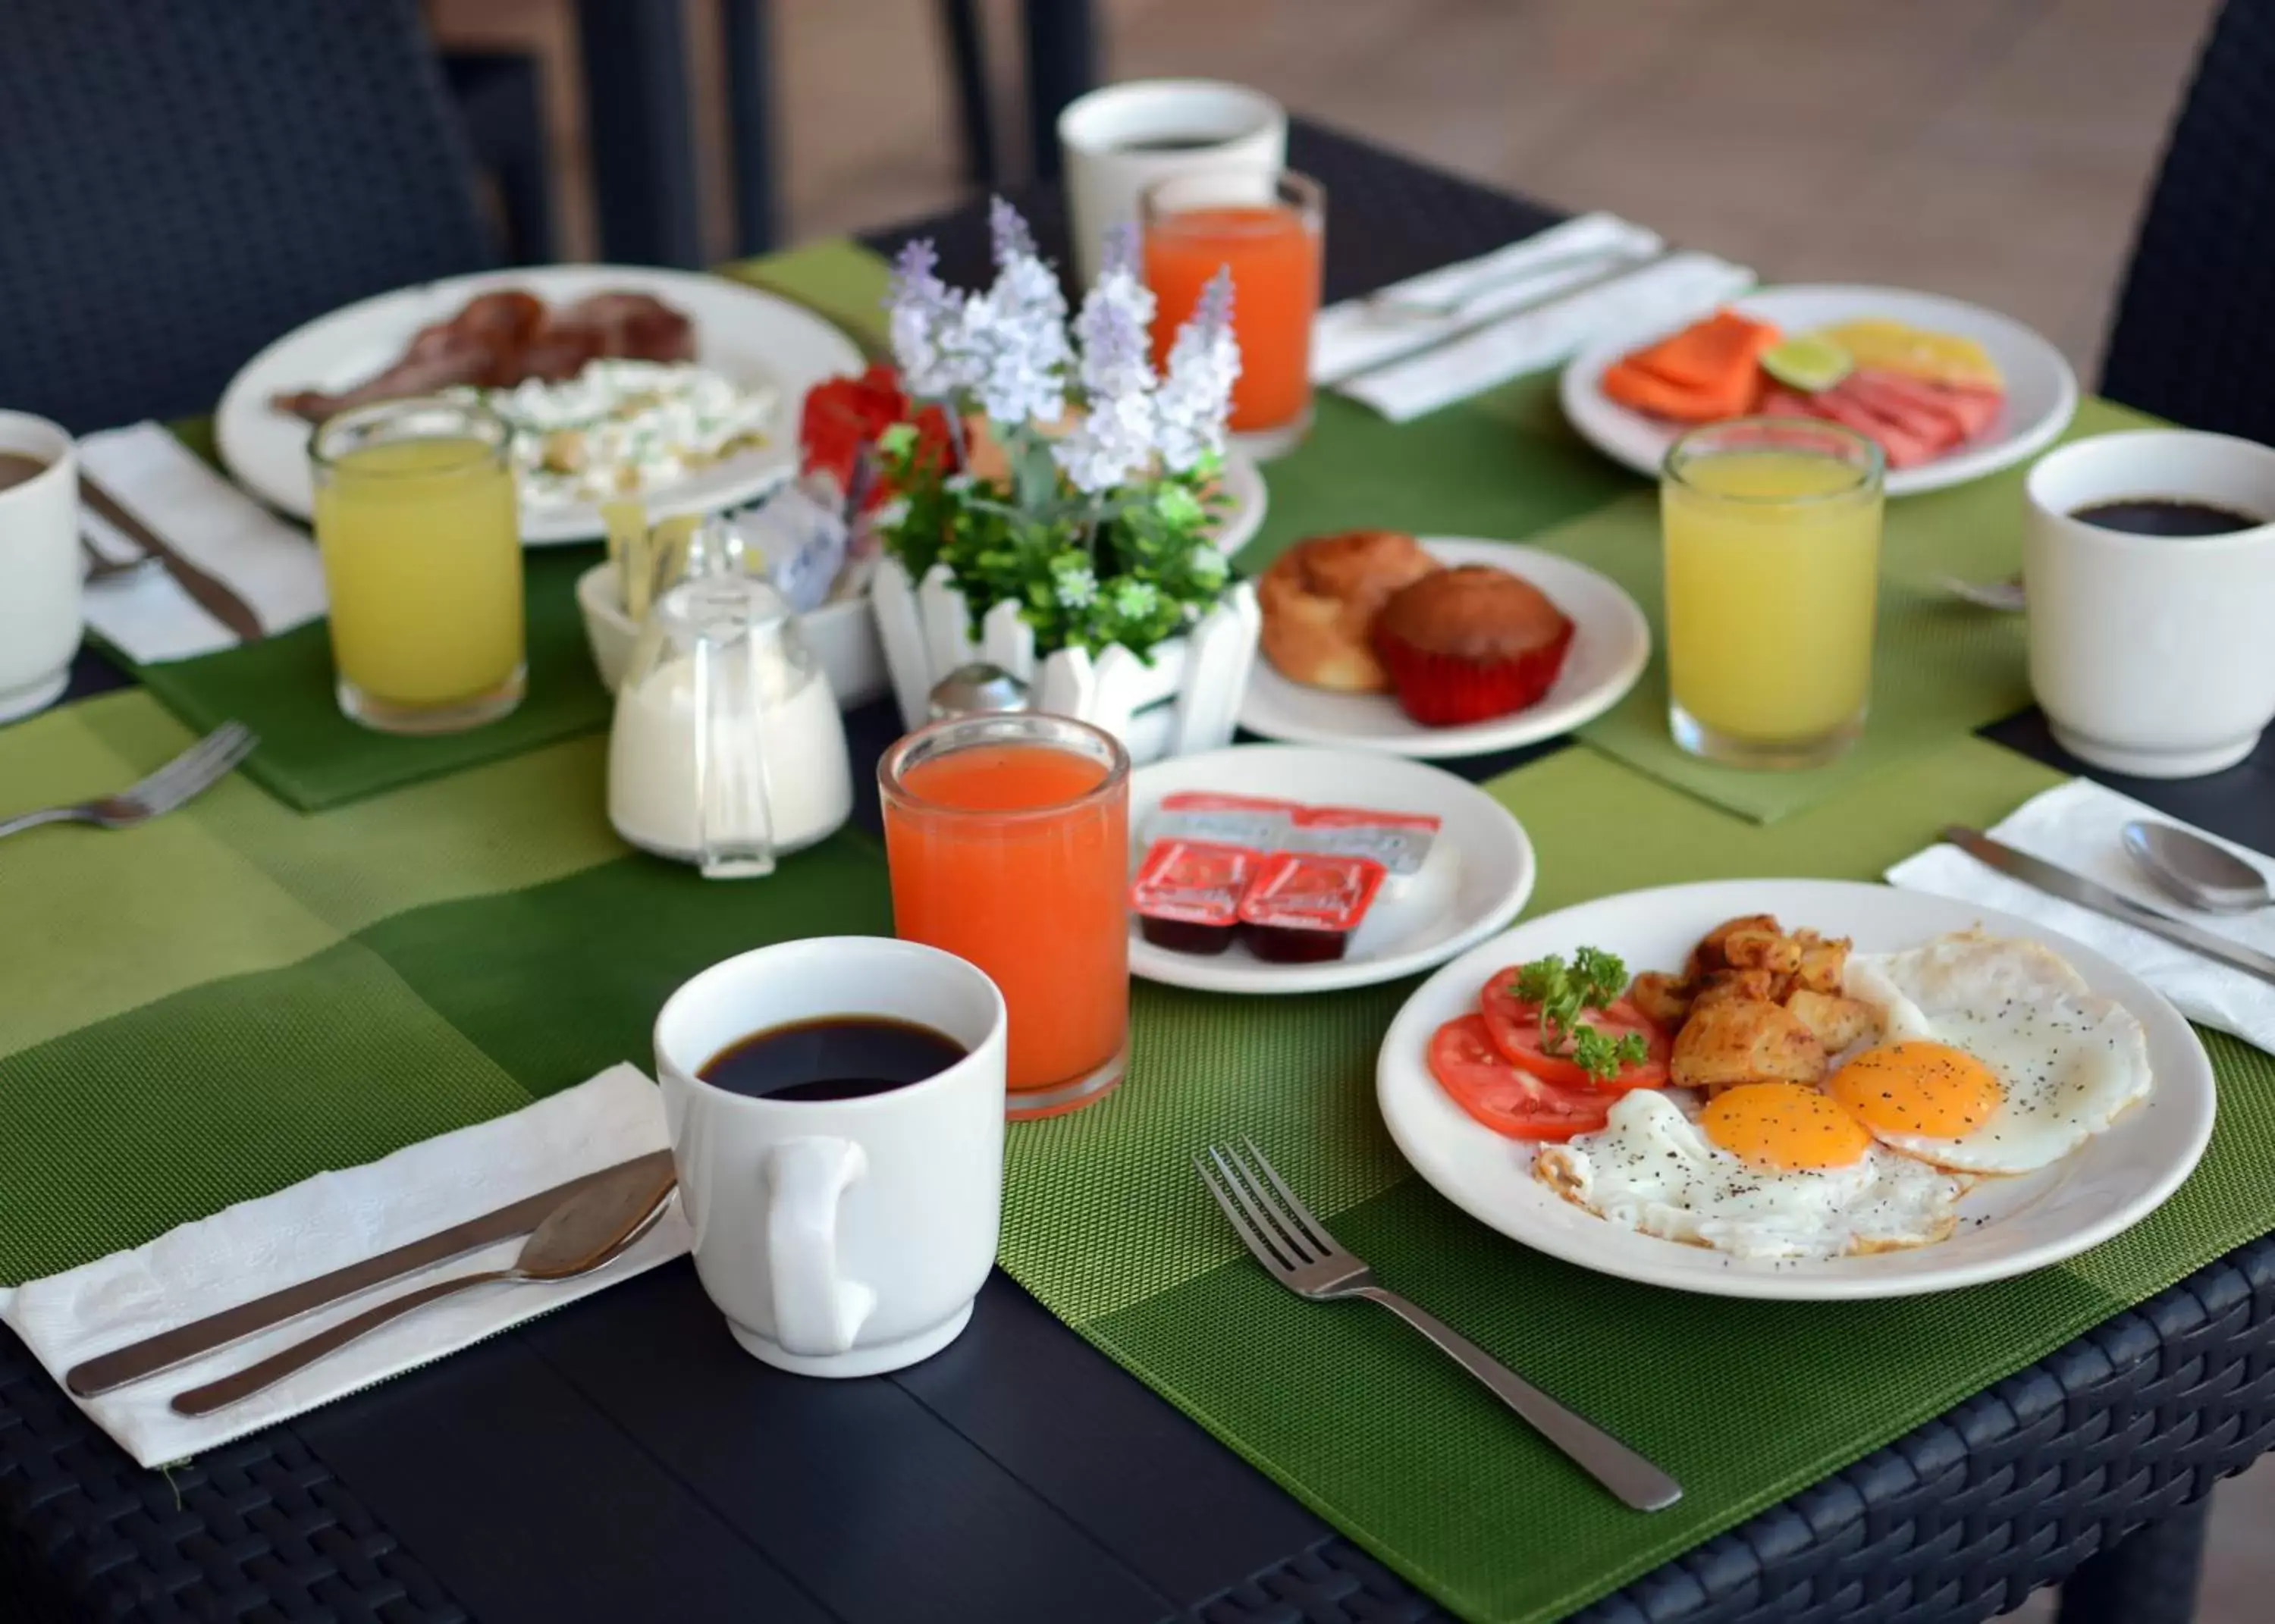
(1478, 874)
(2007, 1225)
(2041, 388)
(1611, 643)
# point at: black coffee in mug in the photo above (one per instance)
(16, 468)
(1169, 143)
(2166, 515)
(835, 1057)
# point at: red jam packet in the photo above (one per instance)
(1398, 840)
(1227, 820)
(1302, 907)
(1187, 894)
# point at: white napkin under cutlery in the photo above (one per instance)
(266, 562)
(325, 1223)
(2077, 827)
(1357, 344)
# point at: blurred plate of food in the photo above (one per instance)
(1437, 646)
(1949, 391)
(681, 390)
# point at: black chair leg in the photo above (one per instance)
(747, 31)
(1061, 64)
(975, 117)
(2147, 1578)
(642, 128)
(501, 98)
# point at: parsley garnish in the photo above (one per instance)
(1591, 980)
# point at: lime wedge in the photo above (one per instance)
(1807, 363)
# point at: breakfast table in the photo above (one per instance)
(622, 1460)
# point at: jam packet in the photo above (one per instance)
(1302, 907)
(1187, 894)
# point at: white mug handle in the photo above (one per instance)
(816, 1311)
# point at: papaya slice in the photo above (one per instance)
(1708, 354)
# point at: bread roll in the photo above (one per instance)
(1319, 599)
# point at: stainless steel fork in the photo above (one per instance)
(1297, 1251)
(194, 770)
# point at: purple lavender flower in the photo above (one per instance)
(1015, 332)
(925, 318)
(1117, 349)
(1113, 443)
(1196, 397)
(1007, 230)
(1118, 251)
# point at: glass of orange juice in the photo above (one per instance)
(1269, 231)
(1772, 529)
(418, 523)
(1008, 840)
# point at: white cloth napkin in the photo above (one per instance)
(2076, 826)
(266, 562)
(1357, 335)
(327, 1223)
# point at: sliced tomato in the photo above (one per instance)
(1515, 1027)
(1507, 1099)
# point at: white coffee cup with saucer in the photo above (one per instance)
(40, 567)
(1121, 139)
(2151, 655)
(840, 1236)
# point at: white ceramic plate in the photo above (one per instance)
(1611, 643)
(755, 338)
(1477, 876)
(2007, 1225)
(1245, 494)
(2041, 390)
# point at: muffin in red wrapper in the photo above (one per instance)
(1470, 644)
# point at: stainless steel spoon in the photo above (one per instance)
(2005, 596)
(2191, 870)
(578, 1236)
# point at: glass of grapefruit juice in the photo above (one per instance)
(1008, 840)
(1271, 239)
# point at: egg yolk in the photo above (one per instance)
(1784, 1125)
(1924, 1088)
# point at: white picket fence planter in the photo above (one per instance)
(1185, 701)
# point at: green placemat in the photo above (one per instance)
(312, 756)
(246, 996)
(1745, 1403)
(1507, 466)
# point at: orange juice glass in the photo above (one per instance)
(1008, 838)
(1196, 223)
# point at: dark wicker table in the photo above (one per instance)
(622, 1461)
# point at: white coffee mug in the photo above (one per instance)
(2153, 657)
(840, 1237)
(1117, 141)
(40, 567)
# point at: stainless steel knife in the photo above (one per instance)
(2089, 894)
(183, 1343)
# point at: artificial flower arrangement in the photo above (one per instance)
(1060, 495)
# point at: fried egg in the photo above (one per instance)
(1766, 1170)
(1993, 1055)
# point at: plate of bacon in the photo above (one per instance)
(1950, 391)
(680, 389)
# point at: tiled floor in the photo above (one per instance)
(1994, 149)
